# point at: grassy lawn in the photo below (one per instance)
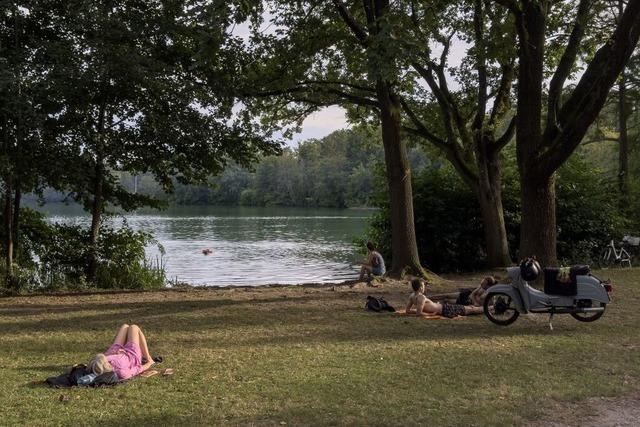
(312, 356)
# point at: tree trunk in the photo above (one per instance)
(623, 168)
(8, 231)
(404, 249)
(538, 226)
(96, 216)
(538, 230)
(489, 194)
(17, 200)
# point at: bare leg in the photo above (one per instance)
(365, 270)
(472, 309)
(121, 336)
(135, 335)
(144, 347)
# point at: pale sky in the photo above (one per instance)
(320, 124)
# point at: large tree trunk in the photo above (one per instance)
(96, 217)
(537, 229)
(489, 193)
(8, 231)
(537, 189)
(404, 250)
(623, 139)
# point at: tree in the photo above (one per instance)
(470, 125)
(545, 141)
(122, 94)
(332, 54)
(25, 166)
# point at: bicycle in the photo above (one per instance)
(611, 256)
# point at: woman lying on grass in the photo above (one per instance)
(425, 306)
(126, 355)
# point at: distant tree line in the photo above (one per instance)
(335, 171)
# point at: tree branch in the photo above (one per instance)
(566, 62)
(506, 136)
(481, 66)
(502, 95)
(360, 33)
(421, 128)
(590, 94)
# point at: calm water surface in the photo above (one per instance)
(250, 246)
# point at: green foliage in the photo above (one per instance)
(121, 259)
(449, 224)
(335, 171)
(587, 213)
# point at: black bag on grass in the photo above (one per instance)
(70, 379)
(378, 304)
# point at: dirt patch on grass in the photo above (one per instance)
(595, 412)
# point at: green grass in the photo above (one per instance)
(311, 356)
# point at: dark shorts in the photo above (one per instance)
(377, 271)
(463, 297)
(452, 310)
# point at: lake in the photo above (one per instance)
(249, 245)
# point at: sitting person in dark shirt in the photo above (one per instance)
(424, 305)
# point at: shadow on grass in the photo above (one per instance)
(290, 320)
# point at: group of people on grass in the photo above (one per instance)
(448, 305)
(461, 303)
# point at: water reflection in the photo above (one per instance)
(250, 246)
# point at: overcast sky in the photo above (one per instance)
(321, 124)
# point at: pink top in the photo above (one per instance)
(125, 359)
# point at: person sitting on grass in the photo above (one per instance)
(425, 306)
(374, 265)
(127, 357)
(468, 296)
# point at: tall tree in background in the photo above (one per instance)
(25, 102)
(628, 86)
(545, 142)
(472, 124)
(327, 53)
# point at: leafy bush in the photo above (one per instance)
(121, 259)
(449, 228)
(587, 213)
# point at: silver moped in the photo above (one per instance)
(583, 296)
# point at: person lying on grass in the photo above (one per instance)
(425, 306)
(127, 357)
(468, 296)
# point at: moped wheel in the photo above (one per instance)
(588, 316)
(500, 309)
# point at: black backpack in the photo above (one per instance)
(378, 305)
